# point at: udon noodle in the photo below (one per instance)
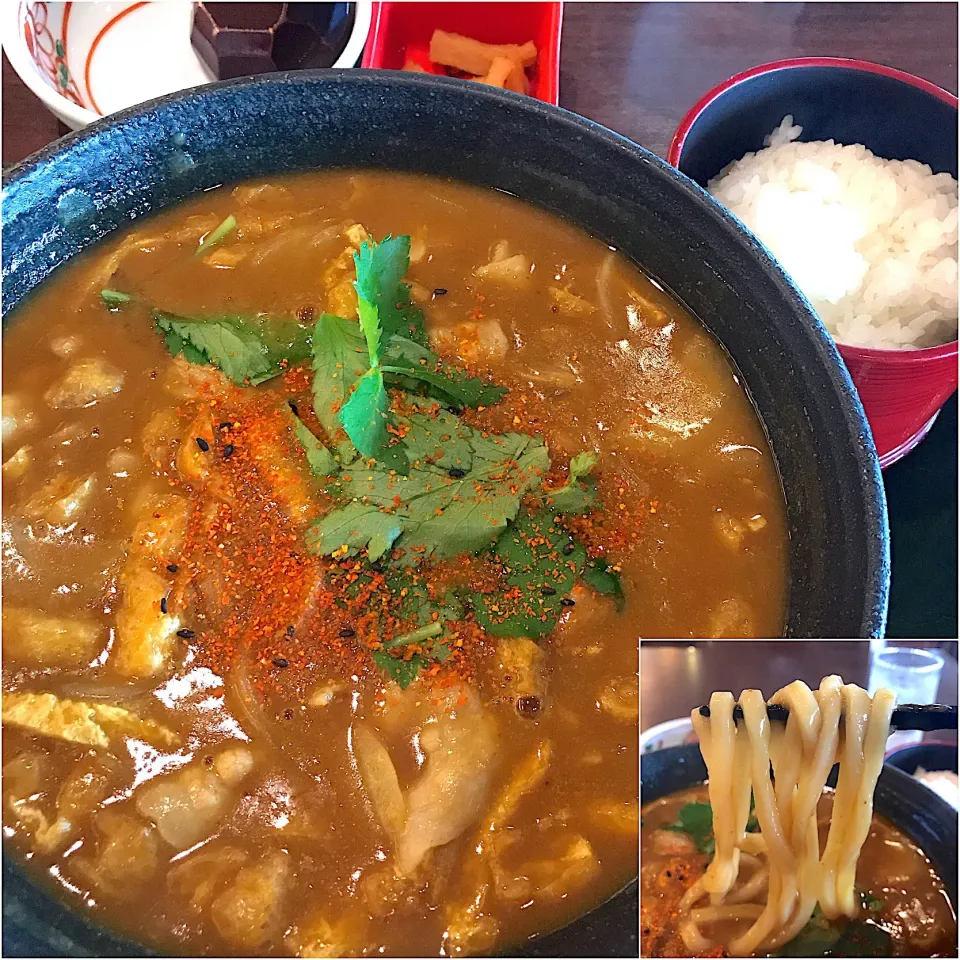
(777, 876)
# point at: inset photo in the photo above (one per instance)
(798, 799)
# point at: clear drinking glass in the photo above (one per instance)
(913, 674)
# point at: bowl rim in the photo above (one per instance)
(674, 153)
(26, 69)
(877, 573)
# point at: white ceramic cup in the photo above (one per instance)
(88, 60)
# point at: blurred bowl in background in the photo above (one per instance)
(673, 733)
(896, 115)
(87, 60)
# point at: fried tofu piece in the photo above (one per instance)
(471, 342)
(733, 618)
(521, 668)
(192, 462)
(94, 724)
(337, 279)
(62, 499)
(570, 304)
(17, 415)
(470, 929)
(187, 805)
(320, 937)
(145, 635)
(40, 640)
(621, 698)
(248, 913)
(512, 271)
(617, 817)
(286, 481)
(194, 381)
(199, 878)
(127, 854)
(19, 463)
(87, 381)
(86, 786)
(550, 879)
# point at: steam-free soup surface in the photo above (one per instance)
(905, 910)
(266, 694)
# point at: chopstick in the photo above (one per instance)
(910, 716)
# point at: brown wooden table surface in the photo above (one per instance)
(637, 67)
(675, 679)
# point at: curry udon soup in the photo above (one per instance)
(325, 561)
(904, 910)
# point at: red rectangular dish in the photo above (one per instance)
(402, 29)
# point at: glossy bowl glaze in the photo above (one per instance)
(896, 115)
(925, 818)
(61, 201)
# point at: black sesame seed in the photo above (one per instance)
(186, 634)
(457, 473)
(281, 662)
(347, 632)
(163, 604)
(172, 567)
(568, 548)
(548, 591)
(568, 602)
(294, 408)
(554, 309)
(226, 425)
(228, 451)
(291, 630)
(202, 444)
(440, 292)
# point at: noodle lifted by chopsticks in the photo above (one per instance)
(776, 877)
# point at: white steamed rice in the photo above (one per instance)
(871, 242)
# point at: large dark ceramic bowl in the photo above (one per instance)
(134, 163)
(925, 818)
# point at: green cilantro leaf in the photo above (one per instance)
(403, 672)
(381, 268)
(248, 349)
(696, 820)
(338, 363)
(542, 563)
(407, 361)
(443, 440)
(364, 415)
(370, 325)
(576, 496)
(605, 580)
(430, 512)
(113, 298)
(322, 462)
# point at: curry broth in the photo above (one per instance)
(916, 913)
(260, 706)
